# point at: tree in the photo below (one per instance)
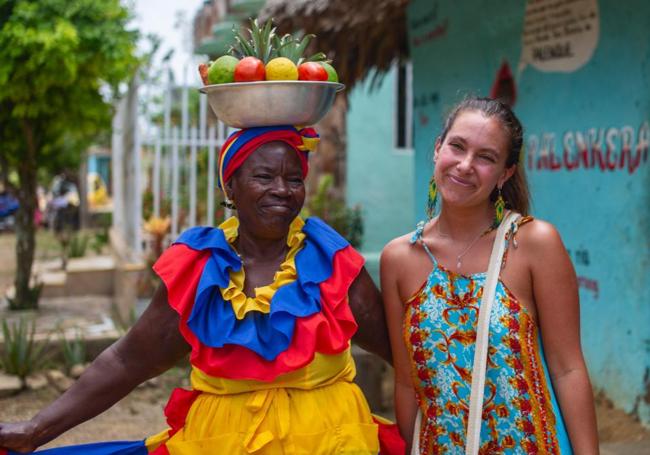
(61, 64)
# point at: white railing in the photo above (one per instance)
(175, 155)
(165, 159)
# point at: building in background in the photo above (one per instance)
(581, 86)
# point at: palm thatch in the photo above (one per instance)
(362, 37)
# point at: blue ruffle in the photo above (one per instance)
(213, 320)
(98, 448)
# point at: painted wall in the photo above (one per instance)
(582, 75)
(379, 176)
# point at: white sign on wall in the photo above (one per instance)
(559, 35)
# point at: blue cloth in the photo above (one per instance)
(100, 448)
(267, 334)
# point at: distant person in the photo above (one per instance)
(537, 397)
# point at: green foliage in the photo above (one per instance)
(61, 66)
(324, 204)
(293, 48)
(99, 240)
(266, 45)
(74, 350)
(260, 43)
(56, 58)
(78, 245)
(21, 355)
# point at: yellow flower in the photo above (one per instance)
(157, 225)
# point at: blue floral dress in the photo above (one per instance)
(520, 411)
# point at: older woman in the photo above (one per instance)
(266, 305)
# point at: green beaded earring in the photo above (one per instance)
(499, 208)
(431, 201)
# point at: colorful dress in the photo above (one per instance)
(520, 412)
(273, 373)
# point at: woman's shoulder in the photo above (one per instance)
(397, 249)
(538, 236)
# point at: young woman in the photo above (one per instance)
(537, 396)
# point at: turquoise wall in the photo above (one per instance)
(587, 139)
(379, 176)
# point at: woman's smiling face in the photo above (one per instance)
(268, 190)
(471, 160)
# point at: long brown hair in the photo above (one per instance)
(515, 190)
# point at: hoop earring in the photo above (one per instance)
(499, 208)
(228, 204)
(431, 201)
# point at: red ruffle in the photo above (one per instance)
(326, 332)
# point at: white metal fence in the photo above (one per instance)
(166, 161)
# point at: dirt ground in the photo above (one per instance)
(141, 413)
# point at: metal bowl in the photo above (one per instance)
(267, 103)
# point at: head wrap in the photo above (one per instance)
(240, 144)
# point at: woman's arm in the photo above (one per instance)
(555, 291)
(153, 345)
(405, 403)
(366, 306)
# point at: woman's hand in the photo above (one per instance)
(18, 437)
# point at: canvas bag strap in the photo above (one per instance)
(473, 441)
(415, 447)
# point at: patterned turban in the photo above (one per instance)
(240, 144)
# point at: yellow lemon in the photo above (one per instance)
(281, 69)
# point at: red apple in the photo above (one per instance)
(250, 69)
(311, 71)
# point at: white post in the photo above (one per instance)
(193, 146)
(136, 194)
(175, 178)
(156, 178)
(184, 133)
(117, 164)
(203, 115)
(211, 170)
(167, 109)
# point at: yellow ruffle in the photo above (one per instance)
(234, 293)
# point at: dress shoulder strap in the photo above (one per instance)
(417, 238)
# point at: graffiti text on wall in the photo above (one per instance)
(603, 149)
(433, 27)
(580, 257)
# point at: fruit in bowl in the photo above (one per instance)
(266, 56)
(249, 69)
(311, 71)
(268, 80)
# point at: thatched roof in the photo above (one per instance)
(358, 36)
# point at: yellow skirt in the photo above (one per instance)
(333, 419)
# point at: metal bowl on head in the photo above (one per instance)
(267, 103)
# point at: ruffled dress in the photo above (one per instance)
(273, 373)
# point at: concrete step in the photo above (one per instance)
(92, 275)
